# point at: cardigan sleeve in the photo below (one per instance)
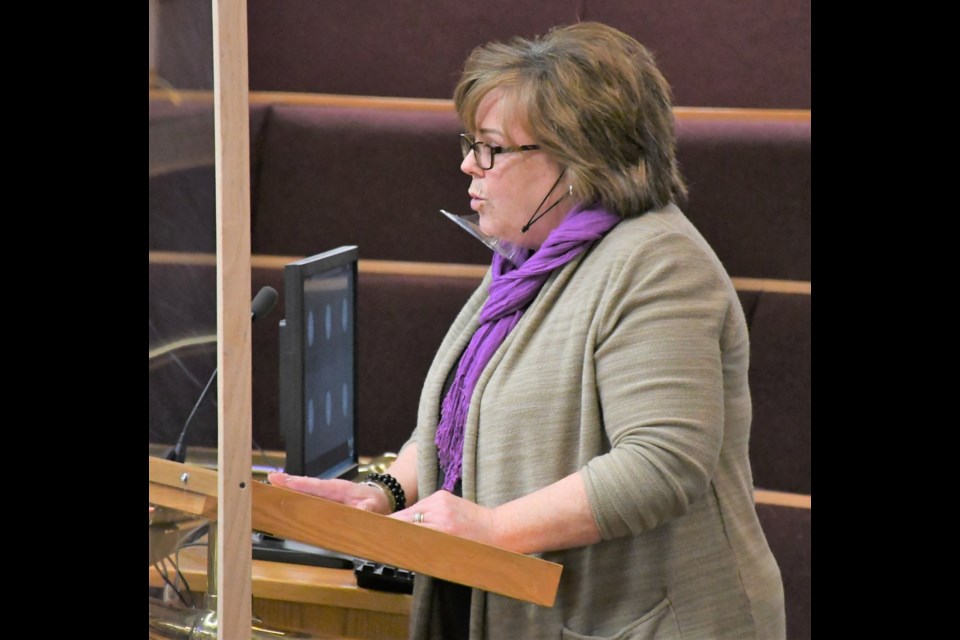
(660, 380)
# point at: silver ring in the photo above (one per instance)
(418, 517)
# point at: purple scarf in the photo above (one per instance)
(511, 290)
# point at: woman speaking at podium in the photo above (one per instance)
(590, 403)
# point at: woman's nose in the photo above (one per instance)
(469, 165)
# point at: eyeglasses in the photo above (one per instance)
(483, 152)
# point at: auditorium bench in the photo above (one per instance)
(335, 170)
(404, 310)
(327, 171)
(751, 53)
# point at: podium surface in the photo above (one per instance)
(328, 601)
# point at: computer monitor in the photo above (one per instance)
(318, 355)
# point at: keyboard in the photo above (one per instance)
(370, 575)
(272, 549)
(383, 577)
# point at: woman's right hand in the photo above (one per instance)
(352, 494)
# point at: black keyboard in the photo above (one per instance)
(271, 549)
(370, 575)
(382, 577)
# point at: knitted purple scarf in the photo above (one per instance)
(511, 290)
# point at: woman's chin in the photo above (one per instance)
(513, 237)
(487, 228)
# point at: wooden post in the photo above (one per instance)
(234, 360)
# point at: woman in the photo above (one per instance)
(590, 403)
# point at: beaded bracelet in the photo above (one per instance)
(390, 487)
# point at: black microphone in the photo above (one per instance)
(262, 304)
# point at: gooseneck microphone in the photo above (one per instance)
(262, 304)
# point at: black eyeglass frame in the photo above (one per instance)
(467, 143)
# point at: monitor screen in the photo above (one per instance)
(318, 365)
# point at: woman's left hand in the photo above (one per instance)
(446, 512)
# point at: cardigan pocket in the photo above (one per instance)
(660, 623)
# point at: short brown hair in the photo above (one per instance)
(592, 97)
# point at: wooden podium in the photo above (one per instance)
(315, 521)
